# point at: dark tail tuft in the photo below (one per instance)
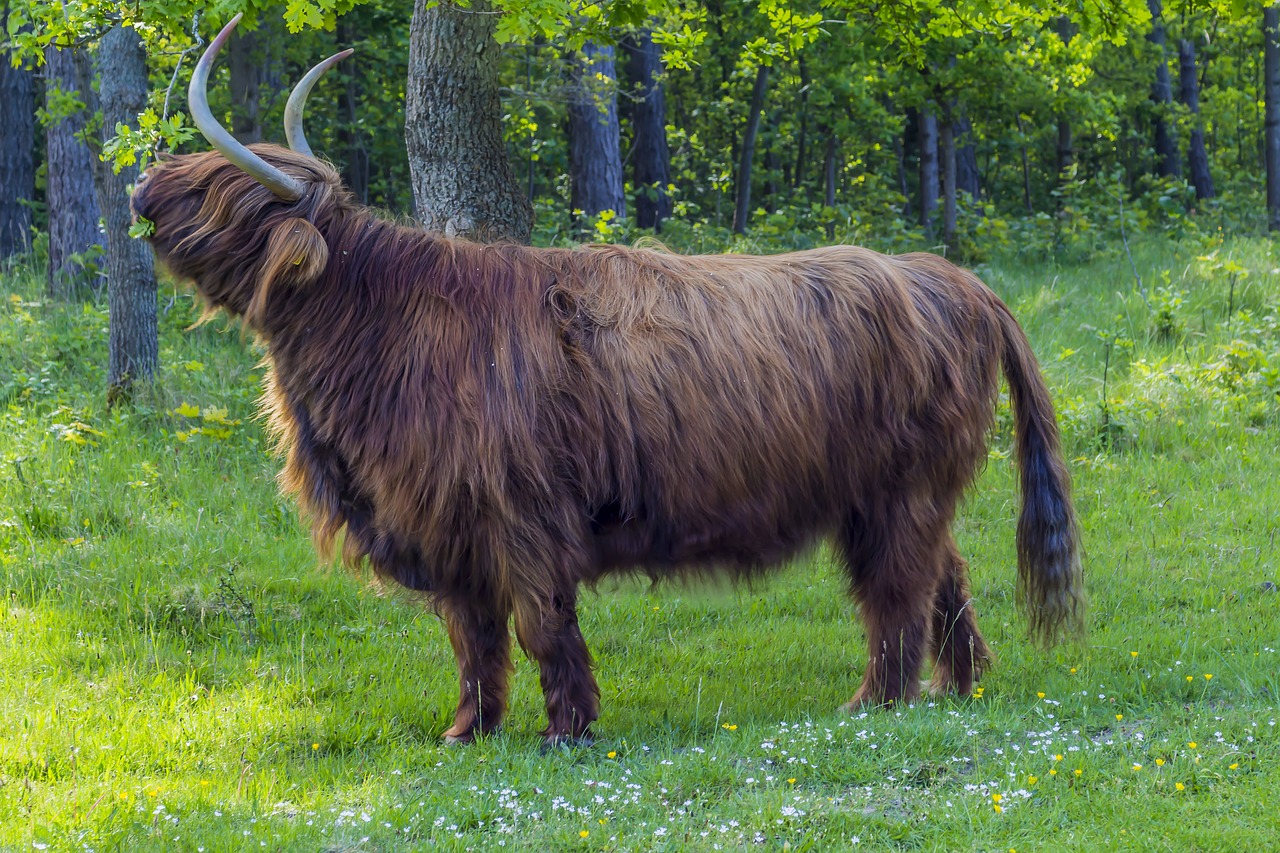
(1050, 579)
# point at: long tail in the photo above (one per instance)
(1050, 580)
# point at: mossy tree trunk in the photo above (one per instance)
(74, 238)
(133, 342)
(742, 205)
(595, 150)
(651, 157)
(463, 183)
(1271, 129)
(17, 155)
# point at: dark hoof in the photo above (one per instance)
(568, 743)
(466, 737)
(859, 705)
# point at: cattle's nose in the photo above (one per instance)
(137, 198)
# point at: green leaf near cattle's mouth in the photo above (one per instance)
(142, 228)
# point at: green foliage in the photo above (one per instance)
(58, 105)
(141, 227)
(1167, 321)
(152, 133)
(300, 15)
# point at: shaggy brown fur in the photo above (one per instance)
(494, 425)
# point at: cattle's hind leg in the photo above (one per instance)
(478, 632)
(960, 654)
(549, 632)
(894, 561)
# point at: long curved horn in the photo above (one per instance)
(285, 186)
(298, 100)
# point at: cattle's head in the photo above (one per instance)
(241, 220)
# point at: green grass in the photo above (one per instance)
(178, 672)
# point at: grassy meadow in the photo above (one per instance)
(177, 671)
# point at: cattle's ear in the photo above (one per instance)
(296, 255)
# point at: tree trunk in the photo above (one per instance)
(902, 145)
(650, 157)
(1026, 166)
(772, 166)
(1271, 85)
(245, 64)
(1066, 149)
(802, 135)
(131, 282)
(829, 180)
(353, 141)
(75, 244)
(17, 154)
(947, 148)
(1066, 154)
(742, 203)
(968, 178)
(463, 183)
(595, 140)
(1168, 160)
(1197, 156)
(927, 141)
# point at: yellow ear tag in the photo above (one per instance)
(298, 262)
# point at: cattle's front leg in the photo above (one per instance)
(548, 631)
(478, 632)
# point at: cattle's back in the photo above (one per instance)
(747, 402)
